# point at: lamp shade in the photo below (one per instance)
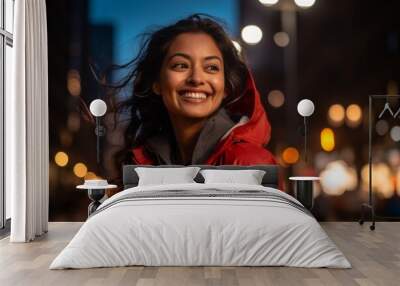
(305, 107)
(98, 107)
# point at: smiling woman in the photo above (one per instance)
(193, 101)
(192, 86)
(192, 77)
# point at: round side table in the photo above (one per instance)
(95, 194)
(303, 191)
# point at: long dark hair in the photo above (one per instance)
(148, 114)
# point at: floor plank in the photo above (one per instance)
(375, 257)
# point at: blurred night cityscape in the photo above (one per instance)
(335, 53)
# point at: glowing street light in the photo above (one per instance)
(74, 82)
(382, 127)
(80, 170)
(304, 3)
(281, 39)
(61, 159)
(252, 34)
(395, 133)
(338, 177)
(290, 155)
(268, 2)
(91, 176)
(276, 98)
(353, 115)
(336, 115)
(327, 139)
(382, 179)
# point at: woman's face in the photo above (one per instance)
(192, 82)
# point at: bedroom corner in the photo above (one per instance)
(231, 142)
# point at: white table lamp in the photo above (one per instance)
(305, 108)
(98, 108)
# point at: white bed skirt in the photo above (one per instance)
(200, 232)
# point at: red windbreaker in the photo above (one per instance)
(244, 144)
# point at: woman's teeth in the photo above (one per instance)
(198, 95)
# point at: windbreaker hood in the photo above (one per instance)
(258, 129)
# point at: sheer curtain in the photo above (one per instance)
(27, 141)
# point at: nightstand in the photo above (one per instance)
(96, 190)
(303, 191)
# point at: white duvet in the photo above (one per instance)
(183, 231)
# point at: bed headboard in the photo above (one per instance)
(270, 179)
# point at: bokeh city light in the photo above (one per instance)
(327, 139)
(252, 34)
(61, 159)
(80, 170)
(290, 155)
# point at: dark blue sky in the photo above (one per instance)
(132, 17)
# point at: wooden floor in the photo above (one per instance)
(375, 257)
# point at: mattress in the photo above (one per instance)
(201, 225)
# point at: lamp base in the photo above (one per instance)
(304, 193)
(95, 195)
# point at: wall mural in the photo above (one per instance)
(188, 99)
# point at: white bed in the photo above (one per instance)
(201, 224)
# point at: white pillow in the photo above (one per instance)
(162, 176)
(248, 177)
